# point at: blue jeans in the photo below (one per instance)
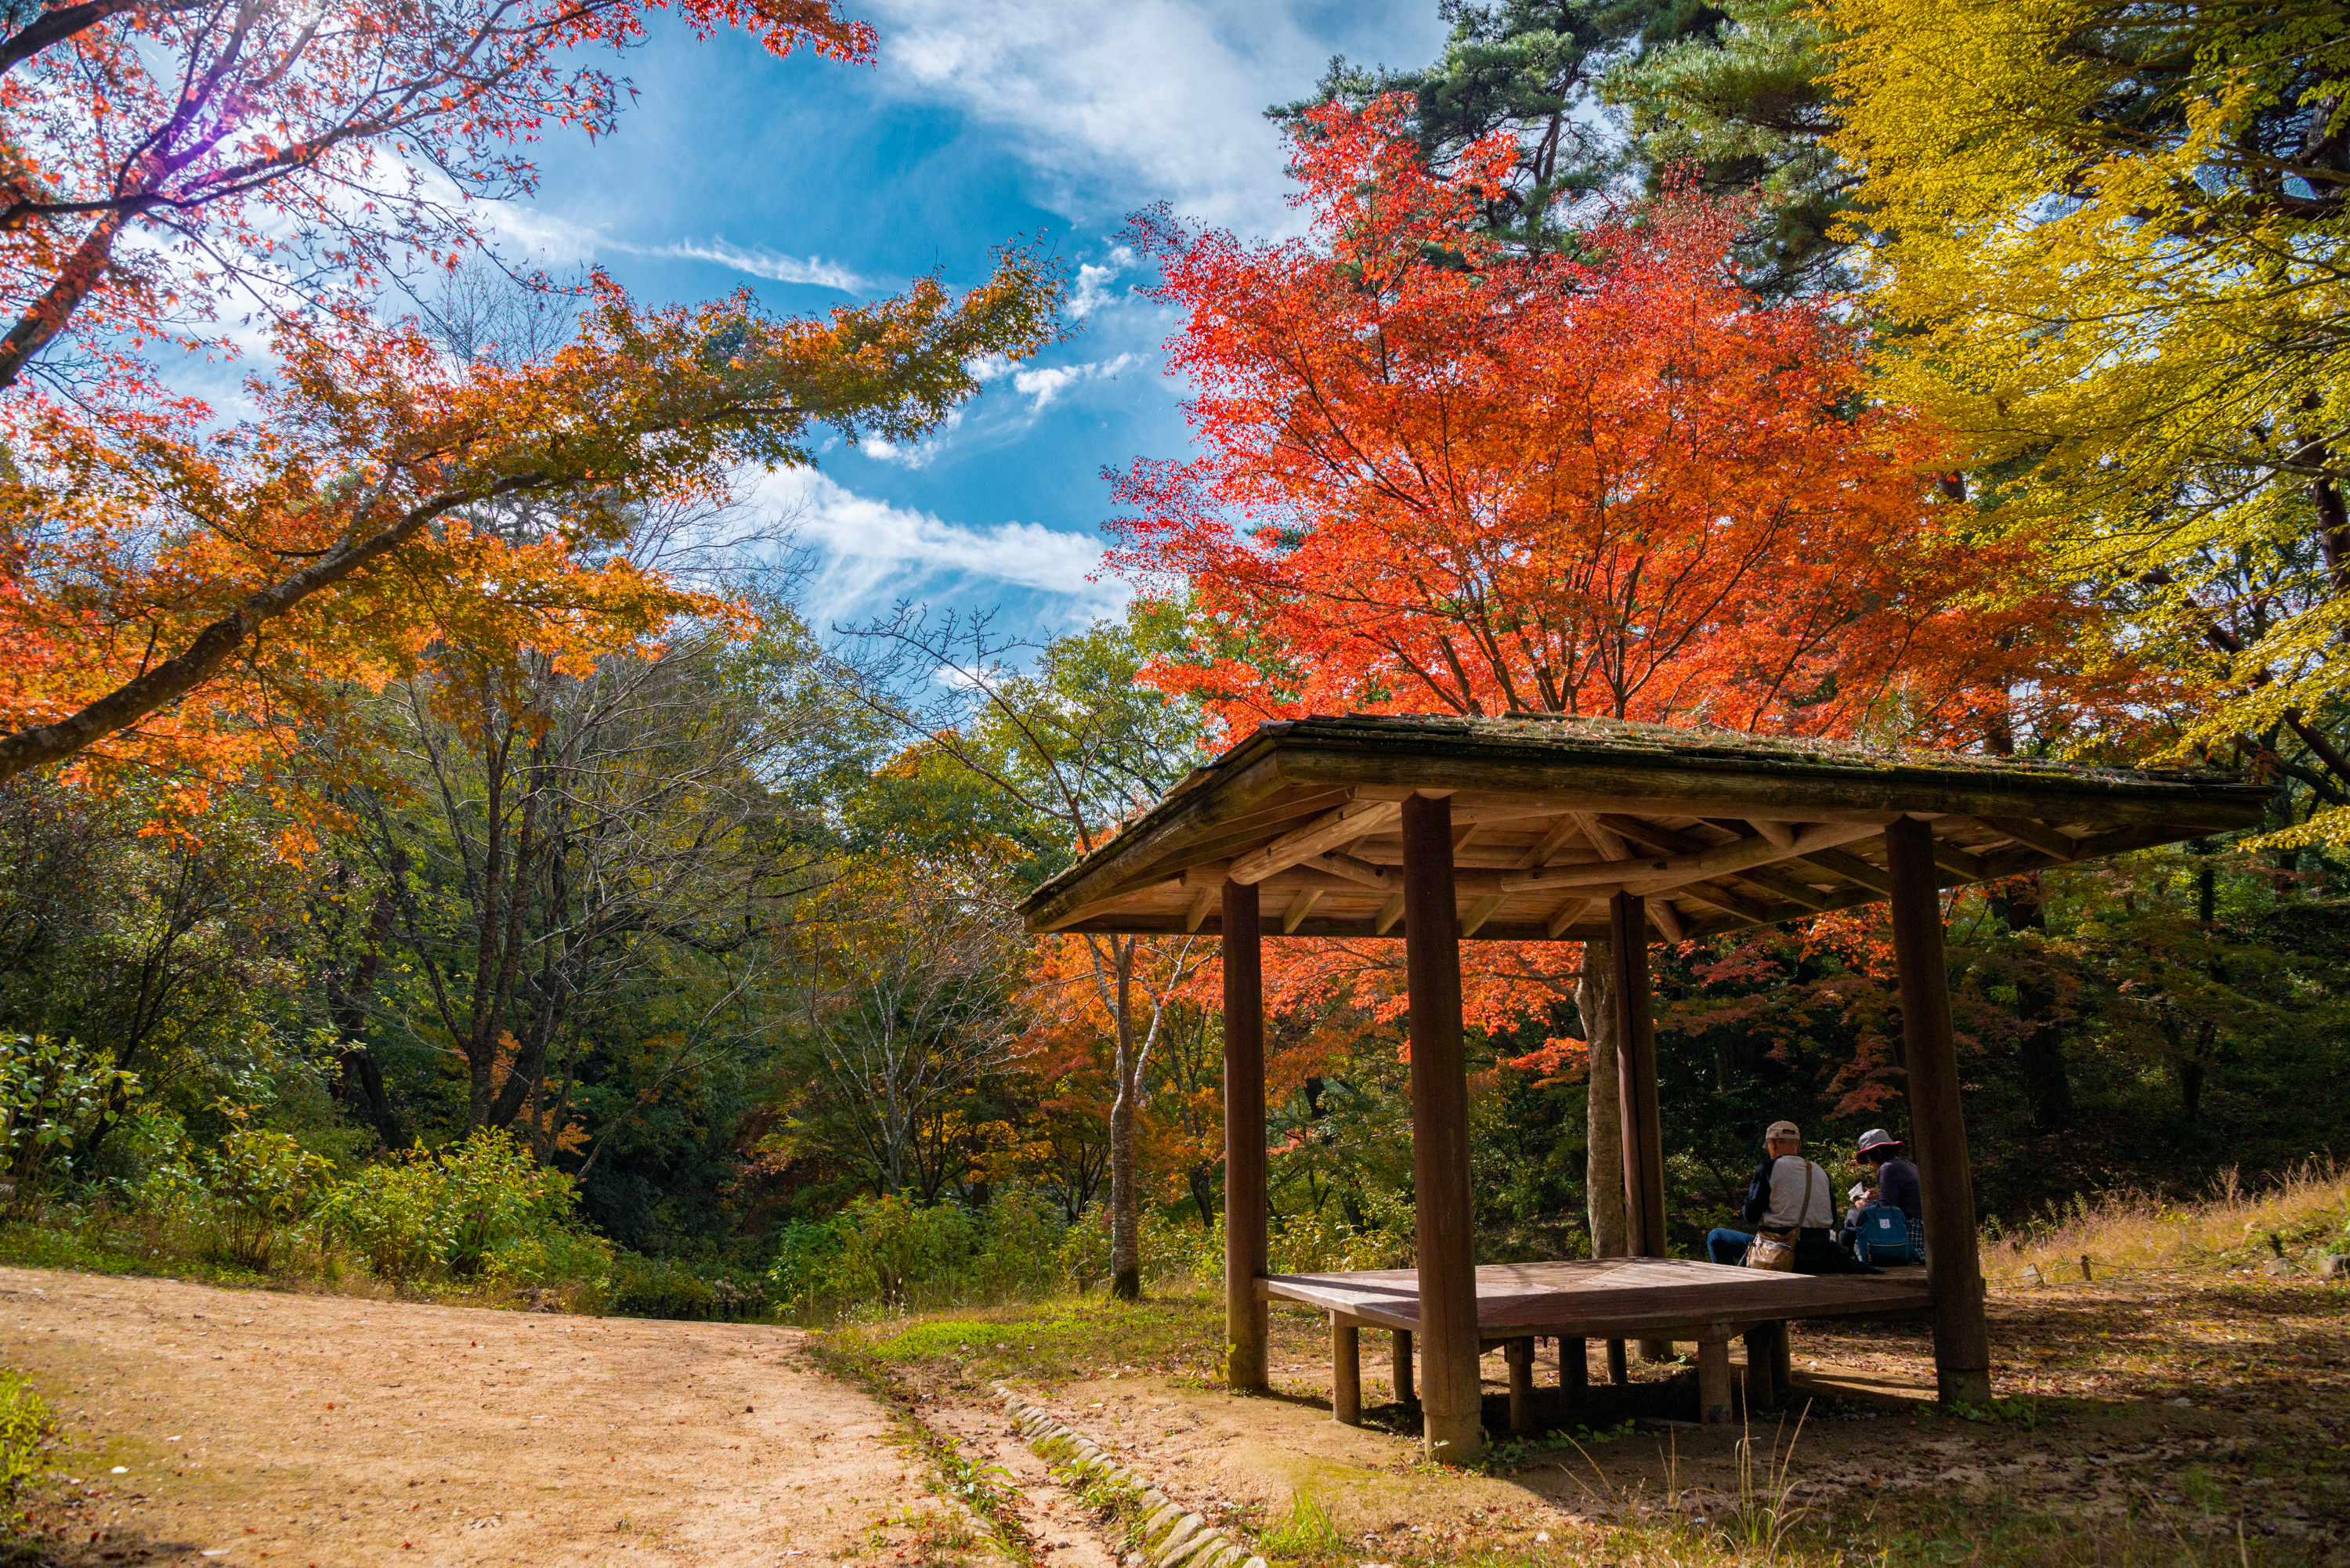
(1727, 1246)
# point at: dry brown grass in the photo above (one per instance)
(2307, 1213)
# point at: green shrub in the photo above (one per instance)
(25, 1423)
(657, 1287)
(52, 1094)
(259, 1184)
(423, 1212)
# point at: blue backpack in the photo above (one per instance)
(1885, 1235)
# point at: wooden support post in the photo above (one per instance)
(1714, 1381)
(1449, 1394)
(1573, 1371)
(1636, 1088)
(1245, 1325)
(1402, 1374)
(1783, 1363)
(1617, 1373)
(1345, 1373)
(1763, 1392)
(1520, 1354)
(1945, 1182)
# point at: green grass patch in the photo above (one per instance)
(96, 1250)
(1066, 1341)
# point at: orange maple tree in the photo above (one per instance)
(355, 519)
(1439, 475)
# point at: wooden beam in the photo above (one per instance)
(1246, 1326)
(1332, 830)
(1568, 826)
(2053, 842)
(1205, 900)
(1714, 897)
(1826, 791)
(1851, 867)
(1299, 908)
(1657, 874)
(1565, 915)
(1450, 1397)
(1389, 913)
(1945, 1180)
(1604, 840)
(1478, 913)
(1779, 832)
(1950, 856)
(1666, 919)
(1794, 889)
(1354, 870)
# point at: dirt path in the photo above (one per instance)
(252, 1426)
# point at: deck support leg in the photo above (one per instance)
(1573, 1371)
(1945, 1182)
(1617, 1373)
(1763, 1392)
(1345, 1373)
(1783, 1363)
(1714, 1381)
(1636, 1088)
(1402, 1374)
(1245, 1324)
(1449, 1394)
(1520, 1354)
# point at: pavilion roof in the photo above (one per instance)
(1552, 814)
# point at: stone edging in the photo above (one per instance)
(1166, 1534)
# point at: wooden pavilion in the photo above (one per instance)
(1536, 828)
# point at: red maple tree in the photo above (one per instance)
(1439, 476)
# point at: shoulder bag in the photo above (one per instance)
(1776, 1250)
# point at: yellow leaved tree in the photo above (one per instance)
(2110, 242)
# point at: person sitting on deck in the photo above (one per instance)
(1788, 1192)
(1897, 1188)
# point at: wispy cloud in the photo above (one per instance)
(1042, 386)
(1119, 104)
(758, 261)
(871, 552)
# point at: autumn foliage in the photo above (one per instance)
(1439, 476)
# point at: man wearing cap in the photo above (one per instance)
(1787, 1192)
(1896, 1183)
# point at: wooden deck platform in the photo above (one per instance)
(1613, 1299)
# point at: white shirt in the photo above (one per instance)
(1788, 1211)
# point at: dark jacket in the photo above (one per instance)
(1897, 1188)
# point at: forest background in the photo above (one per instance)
(435, 841)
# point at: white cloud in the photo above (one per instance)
(1044, 385)
(1119, 104)
(758, 261)
(871, 552)
(1094, 291)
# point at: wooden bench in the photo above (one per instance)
(1611, 1299)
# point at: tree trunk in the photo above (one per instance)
(1604, 1161)
(1125, 1205)
(2040, 1039)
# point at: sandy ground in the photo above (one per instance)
(2163, 1407)
(233, 1428)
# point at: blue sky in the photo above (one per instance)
(985, 120)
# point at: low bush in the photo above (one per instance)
(25, 1423)
(452, 1211)
(659, 1287)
